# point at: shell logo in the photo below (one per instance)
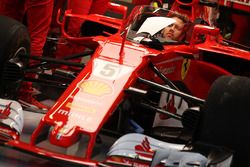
(96, 88)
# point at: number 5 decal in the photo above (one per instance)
(109, 70)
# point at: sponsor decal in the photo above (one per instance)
(144, 148)
(75, 115)
(5, 112)
(242, 2)
(133, 163)
(167, 70)
(170, 107)
(96, 88)
(81, 107)
(173, 104)
(185, 67)
(5, 130)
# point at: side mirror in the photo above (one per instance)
(118, 9)
(200, 30)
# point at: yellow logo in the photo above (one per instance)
(81, 107)
(96, 88)
(185, 67)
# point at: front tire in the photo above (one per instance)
(14, 42)
(225, 118)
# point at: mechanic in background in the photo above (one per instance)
(176, 31)
(36, 14)
(73, 29)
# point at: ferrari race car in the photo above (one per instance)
(132, 73)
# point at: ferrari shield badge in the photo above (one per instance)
(184, 68)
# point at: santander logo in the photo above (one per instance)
(144, 148)
(169, 107)
(5, 112)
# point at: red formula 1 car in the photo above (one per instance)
(131, 68)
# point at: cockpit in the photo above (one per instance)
(157, 25)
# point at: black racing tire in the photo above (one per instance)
(225, 118)
(14, 41)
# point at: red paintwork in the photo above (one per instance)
(97, 91)
(88, 111)
(144, 146)
(236, 4)
(80, 111)
(48, 153)
(195, 12)
(8, 134)
(5, 112)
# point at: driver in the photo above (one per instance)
(175, 31)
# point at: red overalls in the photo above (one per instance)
(38, 13)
